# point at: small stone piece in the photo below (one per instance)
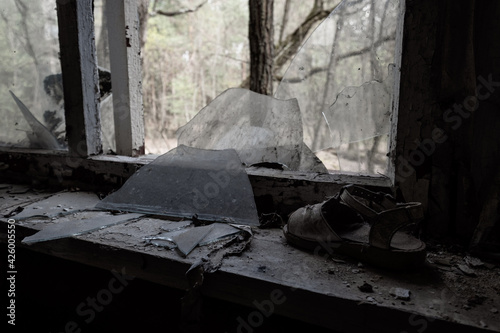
(494, 310)
(483, 324)
(360, 265)
(400, 293)
(355, 271)
(489, 266)
(476, 300)
(442, 261)
(466, 270)
(366, 288)
(473, 262)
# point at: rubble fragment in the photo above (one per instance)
(400, 293)
(366, 288)
(466, 270)
(473, 262)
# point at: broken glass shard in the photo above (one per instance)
(186, 239)
(59, 204)
(78, 226)
(341, 80)
(39, 136)
(259, 127)
(211, 185)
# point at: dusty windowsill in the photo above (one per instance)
(442, 296)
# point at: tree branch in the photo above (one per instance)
(289, 47)
(317, 70)
(179, 12)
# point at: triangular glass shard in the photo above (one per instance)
(219, 231)
(78, 226)
(188, 240)
(211, 185)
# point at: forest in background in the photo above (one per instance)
(195, 50)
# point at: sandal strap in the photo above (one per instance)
(385, 223)
(348, 193)
(388, 222)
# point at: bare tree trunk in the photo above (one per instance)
(260, 35)
(102, 49)
(284, 20)
(142, 8)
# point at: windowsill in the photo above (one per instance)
(319, 290)
(336, 177)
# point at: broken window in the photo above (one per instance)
(343, 78)
(33, 111)
(341, 82)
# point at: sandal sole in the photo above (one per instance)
(392, 259)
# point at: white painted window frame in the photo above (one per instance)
(79, 58)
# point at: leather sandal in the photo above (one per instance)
(362, 224)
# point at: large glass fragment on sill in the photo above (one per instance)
(186, 182)
(259, 127)
(80, 224)
(344, 79)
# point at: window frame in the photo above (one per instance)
(78, 58)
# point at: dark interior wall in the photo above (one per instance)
(448, 127)
(58, 295)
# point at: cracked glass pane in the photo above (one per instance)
(343, 78)
(259, 127)
(186, 182)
